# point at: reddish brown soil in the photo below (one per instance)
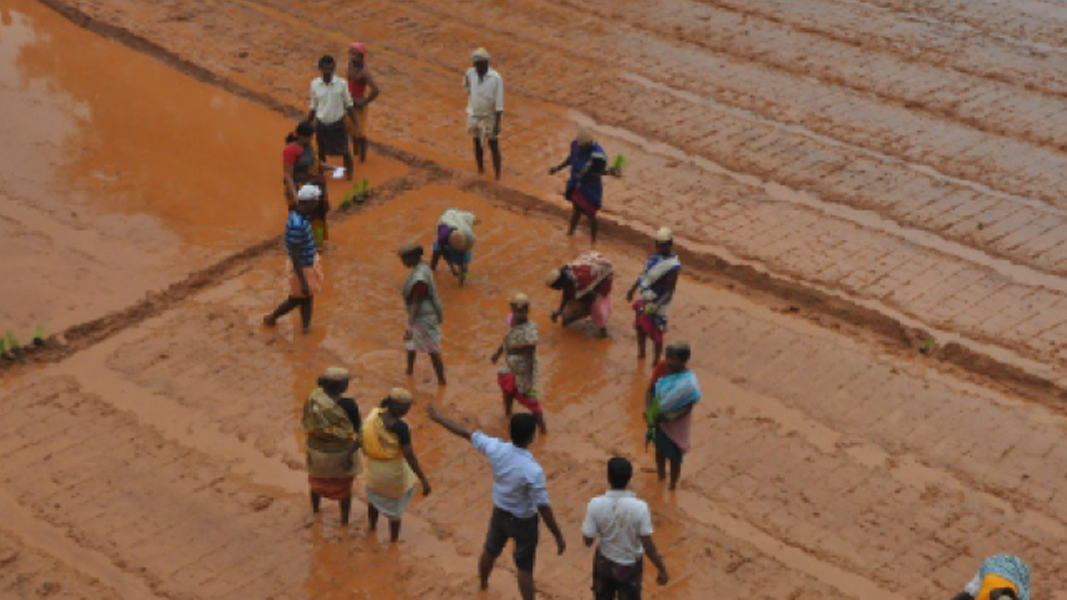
(868, 196)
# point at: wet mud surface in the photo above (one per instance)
(852, 182)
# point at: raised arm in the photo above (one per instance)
(440, 419)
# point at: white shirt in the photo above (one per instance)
(329, 101)
(618, 518)
(485, 95)
(518, 481)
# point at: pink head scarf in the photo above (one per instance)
(359, 47)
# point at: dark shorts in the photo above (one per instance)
(504, 526)
(612, 581)
(332, 138)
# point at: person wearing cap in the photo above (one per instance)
(520, 496)
(392, 468)
(359, 81)
(485, 108)
(424, 311)
(331, 423)
(656, 284)
(517, 377)
(585, 188)
(303, 268)
(300, 163)
(455, 240)
(585, 285)
(623, 526)
(1001, 577)
(669, 402)
(330, 103)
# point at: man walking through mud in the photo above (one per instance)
(485, 108)
(623, 526)
(519, 495)
(330, 102)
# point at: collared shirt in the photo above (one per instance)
(330, 100)
(299, 237)
(618, 518)
(485, 95)
(518, 481)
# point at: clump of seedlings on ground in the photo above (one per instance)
(11, 349)
(357, 195)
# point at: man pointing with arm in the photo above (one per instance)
(519, 496)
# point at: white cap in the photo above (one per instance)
(309, 193)
(664, 235)
(480, 54)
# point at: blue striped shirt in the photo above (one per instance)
(300, 239)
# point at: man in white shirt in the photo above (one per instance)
(330, 102)
(624, 527)
(485, 107)
(519, 495)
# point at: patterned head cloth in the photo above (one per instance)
(480, 54)
(358, 47)
(1011, 568)
(336, 374)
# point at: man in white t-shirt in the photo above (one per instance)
(624, 528)
(330, 102)
(485, 108)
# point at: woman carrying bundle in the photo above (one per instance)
(669, 403)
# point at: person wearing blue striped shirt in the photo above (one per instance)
(303, 268)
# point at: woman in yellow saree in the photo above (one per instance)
(331, 422)
(392, 469)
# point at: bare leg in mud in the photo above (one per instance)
(372, 519)
(479, 155)
(676, 473)
(316, 500)
(494, 147)
(485, 569)
(642, 341)
(411, 363)
(509, 403)
(346, 509)
(576, 215)
(657, 352)
(438, 367)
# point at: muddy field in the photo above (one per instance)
(869, 200)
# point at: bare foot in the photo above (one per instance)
(270, 321)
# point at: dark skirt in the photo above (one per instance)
(332, 138)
